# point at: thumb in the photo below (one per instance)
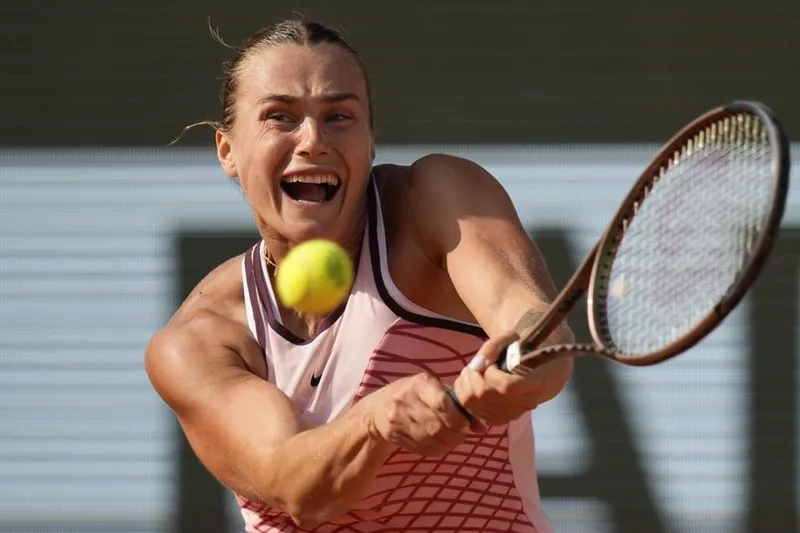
(490, 351)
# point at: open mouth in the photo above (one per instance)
(311, 189)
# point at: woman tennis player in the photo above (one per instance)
(342, 422)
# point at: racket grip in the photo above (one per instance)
(509, 359)
(452, 394)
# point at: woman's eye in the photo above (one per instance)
(278, 117)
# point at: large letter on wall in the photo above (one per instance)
(615, 475)
(773, 384)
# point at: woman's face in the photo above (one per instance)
(301, 144)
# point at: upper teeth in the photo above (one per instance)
(328, 179)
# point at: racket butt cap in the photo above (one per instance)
(510, 358)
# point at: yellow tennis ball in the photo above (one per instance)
(315, 277)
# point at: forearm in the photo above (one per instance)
(322, 472)
(250, 435)
(525, 325)
(555, 374)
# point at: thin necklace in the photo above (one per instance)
(356, 238)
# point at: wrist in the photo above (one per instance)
(371, 428)
(367, 423)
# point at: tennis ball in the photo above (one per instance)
(315, 277)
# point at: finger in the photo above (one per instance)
(486, 403)
(468, 417)
(408, 427)
(444, 403)
(469, 388)
(434, 396)
(427, 424)
(490, 351)
(521, 393)
(475, 424)
(506, 384)
(412, 415)
(507, 396)
(399, 416)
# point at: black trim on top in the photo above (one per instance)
(261, 285)
(374, 249)
(255, 308)
(275, 324)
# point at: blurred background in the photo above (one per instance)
(104, 229)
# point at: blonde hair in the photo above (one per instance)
(303, 33)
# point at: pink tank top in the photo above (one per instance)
(486, 484)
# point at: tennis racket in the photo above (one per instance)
(683, 248)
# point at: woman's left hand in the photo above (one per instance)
(494, 396)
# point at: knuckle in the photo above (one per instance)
(441, 402)
(393, 416)
(393, 436)
(425, 380)
(501, 387)
(399, 400)
(480, 393)
(433, 428)
(422, 377)
(497, 385)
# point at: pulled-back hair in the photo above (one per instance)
(297, 32)
(286, 32)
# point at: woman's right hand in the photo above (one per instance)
(416, 414)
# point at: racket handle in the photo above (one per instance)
(452, 394)
(509, 359)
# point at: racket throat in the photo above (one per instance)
(560, 308)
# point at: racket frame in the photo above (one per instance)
(592, 275)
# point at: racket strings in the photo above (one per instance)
(688, 238)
